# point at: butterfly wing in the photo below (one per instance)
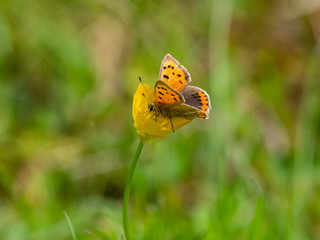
(183, 110)
(173, 96)
(165, 95)
(198, 99)
(174, 74)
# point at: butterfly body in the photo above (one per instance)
(173, 97)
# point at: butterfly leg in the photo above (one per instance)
(154, 116)
(171, 124)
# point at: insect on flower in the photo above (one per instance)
(170, 105)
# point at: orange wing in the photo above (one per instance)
(197, 98)
(164, 95)
(174, 74)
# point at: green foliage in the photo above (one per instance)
(68, 72)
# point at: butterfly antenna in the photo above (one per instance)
(150, 99)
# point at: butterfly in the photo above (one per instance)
(173, 97)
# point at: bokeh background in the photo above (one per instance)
(68, 72)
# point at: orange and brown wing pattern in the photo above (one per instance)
(198, 98)
(174, 74)
(204, 101)
(164, 95)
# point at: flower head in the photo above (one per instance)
(150, 125)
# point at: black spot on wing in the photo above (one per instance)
(166, 76)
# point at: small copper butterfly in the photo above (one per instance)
(173, 97)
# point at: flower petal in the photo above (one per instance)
(149, 125)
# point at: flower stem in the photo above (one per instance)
(125, 221)
(70, 225)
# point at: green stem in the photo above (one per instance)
(125, 221)
(70, 225)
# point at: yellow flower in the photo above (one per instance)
(149, 125)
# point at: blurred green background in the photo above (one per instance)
(68, 72)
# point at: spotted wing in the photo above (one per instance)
(197, 98)
(174, 74)
(165, 95)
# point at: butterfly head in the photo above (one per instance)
(151, 107)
